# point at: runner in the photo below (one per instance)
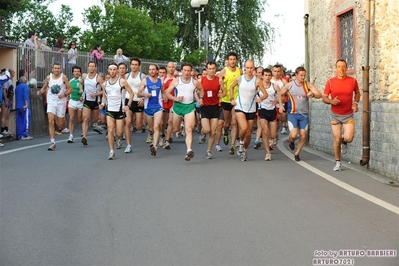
(299, 91)
(210, 110)
(184, 106)
(338, 93)
(113, 99)
(245, 105)
(228, 75)
(90, 104)
(75, 104)
(136, 110)
(57, 88)
(151, 90)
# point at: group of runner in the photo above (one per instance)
(229, 101)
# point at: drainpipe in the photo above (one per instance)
(306, 17)
(366, 100)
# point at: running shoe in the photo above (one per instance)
(208, 155)
(244, 156)
(337, 166)
(240, 150)
(296, 156)
(167, 145)
(58, 132)
(283, 131)
(291, 144)
(149, 139)
(84, 141)
(134, 129)
(153, 150)
(128, 149)
(119, 144)
(26, 138)
(65, 131)
(268, 157)
(189, 155)
(179, 135)
(226, 139)
(111, 155)
(162, 142)
(1, 135)
(274, 141)
(232, 149)
(97, 129)
(52, 147)
(218, 148)
(257, 144)
(1, 144)
(202, 139)
(70, 139)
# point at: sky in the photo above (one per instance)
(286, 16)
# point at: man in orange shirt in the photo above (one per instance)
(339, 92)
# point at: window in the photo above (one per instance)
(346, 45)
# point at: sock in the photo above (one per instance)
(52, 141)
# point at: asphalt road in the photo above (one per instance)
(74, 207)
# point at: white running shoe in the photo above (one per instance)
(337, 166)
(111, 155)
(218, 148)
(128, 149)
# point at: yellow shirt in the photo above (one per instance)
(229, 78)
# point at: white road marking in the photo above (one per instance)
(339, 183)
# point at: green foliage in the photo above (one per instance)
(130, 29)
(234, 25)
(196, 57)
(36, 17)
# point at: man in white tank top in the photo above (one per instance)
(114, 95)
(136, 109)
(58, 88)
(184, 106)
(91, 96)
(245, 105)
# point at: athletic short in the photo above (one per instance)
(221, 115)
(181, 109)
(248, 116)
(341, 119)
(116, 115)
(210, 112)
(227, 106)
(151, 111)
(300, 121)
(75, 104)
(269, 115)
(135, 108)
(57, 109)
(92, 105)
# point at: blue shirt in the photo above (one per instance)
(21, 95)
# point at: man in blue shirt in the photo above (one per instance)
(22, 106)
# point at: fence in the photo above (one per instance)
(38, 64)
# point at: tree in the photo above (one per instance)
(130, 29)
(36, 17)
(234, 25)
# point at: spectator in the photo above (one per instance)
(8, 94)
(22, 106)
(27, 52)
(96, 55)
(119, 57)
(42, 52)
(72, 54)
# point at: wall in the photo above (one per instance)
(384, 77)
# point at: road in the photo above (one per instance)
(73, 207)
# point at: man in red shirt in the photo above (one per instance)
(339, 92)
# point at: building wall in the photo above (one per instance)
(384, 78)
